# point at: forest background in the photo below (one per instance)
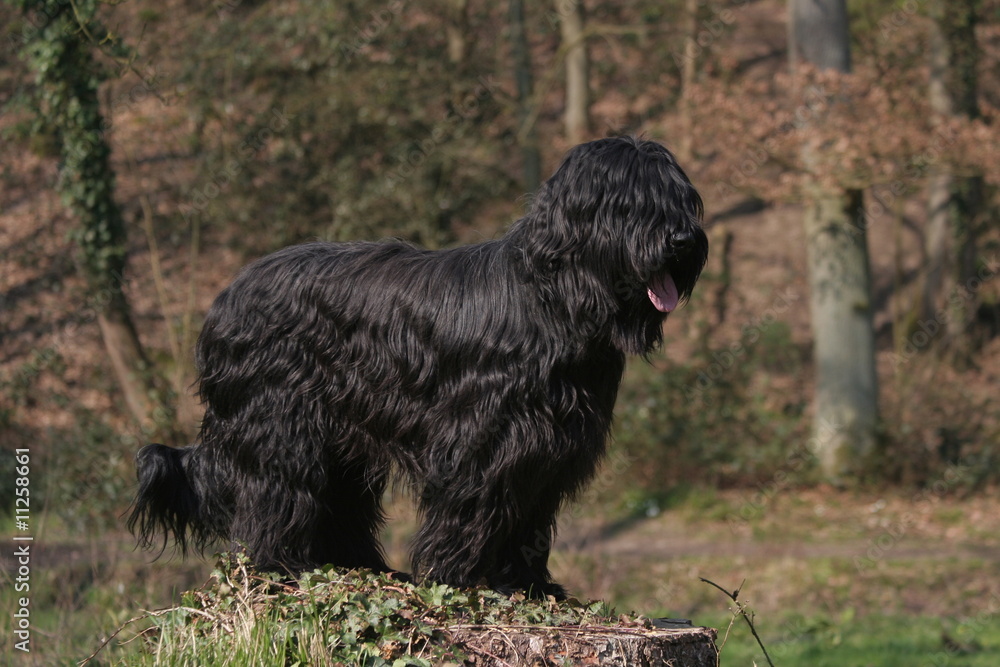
(151, 149)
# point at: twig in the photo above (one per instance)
(741, 611)
(112, 636)
(186, 328)
(148, 614)
(156, 268)
(549, 77)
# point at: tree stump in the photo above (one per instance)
(506, 646)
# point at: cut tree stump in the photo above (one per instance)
(509, 646)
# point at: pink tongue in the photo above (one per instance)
(663, 293)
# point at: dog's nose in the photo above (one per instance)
(681, 239)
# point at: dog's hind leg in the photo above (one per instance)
(294, 523)
(350, 520)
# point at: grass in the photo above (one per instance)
(931, 597)
(82, 587)
(355, 618)
(879, 641)
(333, 616)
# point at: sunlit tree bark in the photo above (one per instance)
(689, 70)
(572, 22)
(457, 30)
(846, 400)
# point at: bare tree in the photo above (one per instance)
(955, 202)
(689, 70)
(457, 30)
(846, 401)
(528, 137)
(572, 23)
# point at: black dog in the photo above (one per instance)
(485, 375)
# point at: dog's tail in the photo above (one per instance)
(168, 502)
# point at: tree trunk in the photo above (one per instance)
(619, 647)
(844, 343)
(527, 135)
(820, 34)
(937, 239)
(129, 363)
(66, 81)
(457, 31)
(955, 203)
(689, 70)
(572, 21)
(846, 401)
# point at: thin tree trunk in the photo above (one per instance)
(956, 203)
(937, 241)
(457, 31)
(846, 401)
(968, 207)
(937, 245)
(528, 136)
(128, 361)
(722, 238)
(572, 21)
(66, 80)
(844, 343)
(689, 71)
(820, 34)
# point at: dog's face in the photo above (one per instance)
(622, 210)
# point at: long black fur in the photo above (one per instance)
(485, 375)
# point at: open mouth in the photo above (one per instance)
(662, 292)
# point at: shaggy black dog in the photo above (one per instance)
(485, 375)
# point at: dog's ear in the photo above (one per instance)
(553, 234)
(563, 212)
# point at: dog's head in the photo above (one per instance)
(620, 219)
